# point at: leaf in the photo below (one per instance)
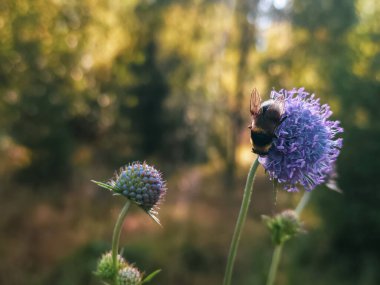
(104, 185)
(154, 218)
(332, 185)
(151, 276)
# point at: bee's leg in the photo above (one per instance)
(283, 119)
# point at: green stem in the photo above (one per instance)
(240, 222)
(303, 202)
(278, 249)
(274, 265)
(117, 231)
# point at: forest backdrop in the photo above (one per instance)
(88, 86)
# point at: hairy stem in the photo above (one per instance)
(303, 202)
(274, 265)
(117, 231)
(240, 222)
(278, 249)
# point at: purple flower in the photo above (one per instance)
(306, 148)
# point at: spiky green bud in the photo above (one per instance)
(105, 269)
(283, 226)
(128, 275)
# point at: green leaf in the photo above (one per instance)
(151, 276)
(154, 218)
(104, 185)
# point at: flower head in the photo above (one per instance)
(141, 184)
(105, 269)
(306, 148)
(283, 226)
(129, 275)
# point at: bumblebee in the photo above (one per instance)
(266, 117)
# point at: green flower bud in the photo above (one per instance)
(128, 275)
(283, 226)
(105, 269)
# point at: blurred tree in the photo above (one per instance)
(36, 77)
(245, 35)
(354, 78)
(140, 123)
(79, 74)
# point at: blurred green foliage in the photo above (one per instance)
(88, 86)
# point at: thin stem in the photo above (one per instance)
(278, 249)
(117, 231)
(274, 265)
(240, 222)
(303, 202)
(275, 191)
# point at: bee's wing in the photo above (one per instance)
(255, 103)
(276, 109)
(280, 104)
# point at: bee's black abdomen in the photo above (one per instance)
(261, 139)
(264, 108)
(259, 152)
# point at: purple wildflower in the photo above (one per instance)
(306, 148)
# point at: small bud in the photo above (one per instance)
(105, 269)
(283, 226)
(141, 184)
(128, 275)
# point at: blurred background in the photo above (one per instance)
(88, 86)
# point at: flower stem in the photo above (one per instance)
(116, 233)
(240, 222)
(278, 249)
(303, 202)
(274, 265)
